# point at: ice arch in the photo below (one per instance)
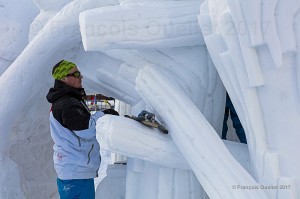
(244, 70)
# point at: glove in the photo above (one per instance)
(110, 111)
(97, 114)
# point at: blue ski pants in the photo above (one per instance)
(76, 189)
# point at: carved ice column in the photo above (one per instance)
(125, 136)
(215, 168)
(258, 62)
(123, 109)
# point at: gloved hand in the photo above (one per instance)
(97, 114)
(110, 111)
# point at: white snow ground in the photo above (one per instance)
(163, 56)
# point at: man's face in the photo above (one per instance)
(72, 80)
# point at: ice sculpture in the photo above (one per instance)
(259, 96)
(162, 55)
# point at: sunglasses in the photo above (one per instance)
(75, 74)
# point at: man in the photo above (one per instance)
(73, 130)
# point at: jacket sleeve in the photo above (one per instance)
(74, 117)
(91, 131)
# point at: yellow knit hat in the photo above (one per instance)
(63, 69)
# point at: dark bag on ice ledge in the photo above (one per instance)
(111, 112)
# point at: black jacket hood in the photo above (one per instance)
(61, 89)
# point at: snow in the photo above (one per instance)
(174, 58)
(150, 25)
(163, 151)
(15, 21)
(116, 177)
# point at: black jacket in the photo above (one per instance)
(68, 107)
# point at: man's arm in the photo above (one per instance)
(73, 115)
(76, 118)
